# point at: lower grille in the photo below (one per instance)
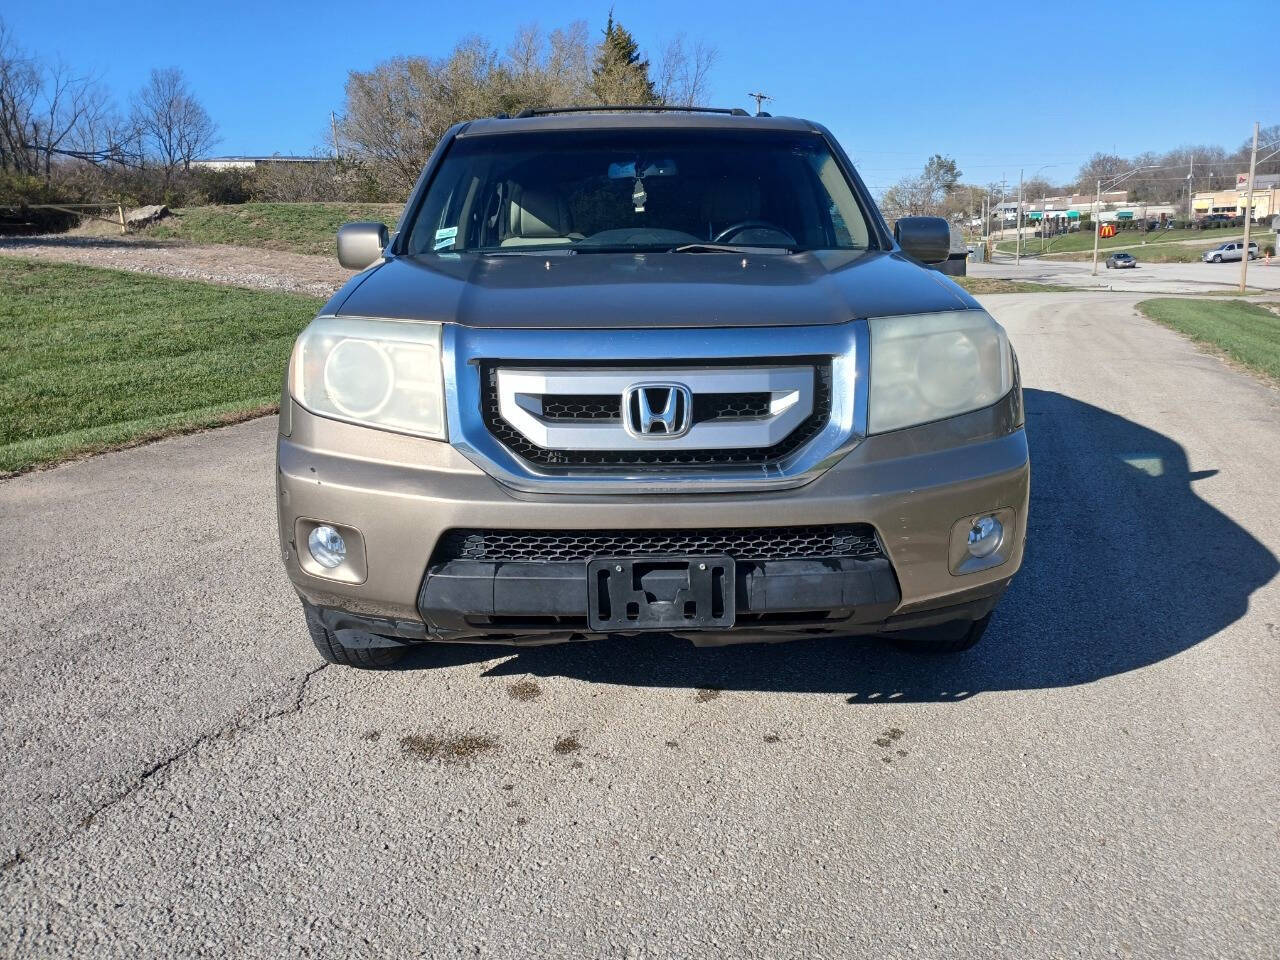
(742, 543)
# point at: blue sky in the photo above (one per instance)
(894, 81)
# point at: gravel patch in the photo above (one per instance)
(230, 265)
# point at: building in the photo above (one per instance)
(1070, 209)
(248, 163)
(1231, 203)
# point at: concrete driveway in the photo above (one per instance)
(1098, 777)
(1149, 278)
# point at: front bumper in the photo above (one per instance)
(398, 495)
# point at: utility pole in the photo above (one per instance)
(986, 227)
(1191, 173)
(1248, 209)
(1017, 256)
(333, 125)
(1097, 226)
(759, 98)
(1044, 219)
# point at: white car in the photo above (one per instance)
(1229, 251)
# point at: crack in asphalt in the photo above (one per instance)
(161, 767)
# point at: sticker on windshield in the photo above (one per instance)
(445, 237)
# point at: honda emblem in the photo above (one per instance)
(657, 411)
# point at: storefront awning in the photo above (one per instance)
(1073, 214)
(1034, 216)
(1124, 214)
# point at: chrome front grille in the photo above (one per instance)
(557, 410)
(744, 427)
(708, 406)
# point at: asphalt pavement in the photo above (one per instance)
(1098, 777)
(1148, 278)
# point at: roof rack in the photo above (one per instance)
(625, 108)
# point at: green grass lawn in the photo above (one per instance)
(95, 359)
(1245, 332)
(296, 227)
(1151, 253)
(1131, 240)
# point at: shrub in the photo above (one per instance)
(234, 185)
(20, 191)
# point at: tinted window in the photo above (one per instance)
(638, 189)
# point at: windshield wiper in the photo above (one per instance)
(727, 248)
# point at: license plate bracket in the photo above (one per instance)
(660, 593)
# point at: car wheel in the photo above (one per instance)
(364, 658)
(953, 637)
(1108, 264)
(1217, 259)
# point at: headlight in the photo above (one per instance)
(384, 373)
(935, 365)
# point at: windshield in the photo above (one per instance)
(601, 191)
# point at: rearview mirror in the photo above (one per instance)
(360, 244)
(927, 239)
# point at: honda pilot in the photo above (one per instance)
(648, 371)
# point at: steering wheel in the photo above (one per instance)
(737, 228)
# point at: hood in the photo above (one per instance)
(602, 290)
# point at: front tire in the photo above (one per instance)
(333, 651)
(1217, 259)
(954, 637)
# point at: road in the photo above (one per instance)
(1098, 777)
(1149, 278)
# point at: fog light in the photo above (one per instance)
(328, 549)
(984, 536)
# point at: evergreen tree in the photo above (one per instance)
(620, 75)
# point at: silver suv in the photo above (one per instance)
(1229, 251)
(625, 371)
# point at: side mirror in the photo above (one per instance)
(360, 244)
(927, 239)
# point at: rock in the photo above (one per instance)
(145, 216)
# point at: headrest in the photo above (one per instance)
(538, 213)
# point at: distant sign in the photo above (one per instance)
(1107, 230)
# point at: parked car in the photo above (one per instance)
(625, 372)
(1121, 261)
(1229, 251)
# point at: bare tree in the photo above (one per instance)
(684, 72)
(397, 112)
(923, 195)
(20, 84)
(548, 71)
(74, 111)
(173, 127)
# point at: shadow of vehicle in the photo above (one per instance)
(1125, 566)
(81, 241)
